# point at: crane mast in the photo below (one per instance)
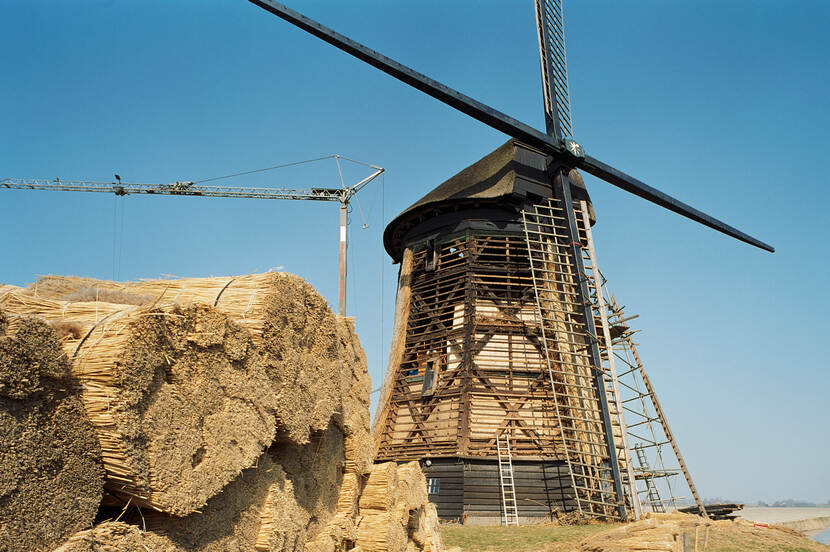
(191, 189)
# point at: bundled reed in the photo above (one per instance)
(175, 396)
(341, 532)
(380, 528)
(5, 288)
(114, 536)
(290, 498)
(51, 479)
(290, 323)
(187, 381)
(395, 513)
(257, 511)
(427, 534)
(356, 386)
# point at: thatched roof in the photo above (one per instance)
(504, 176)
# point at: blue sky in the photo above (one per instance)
(721, 104)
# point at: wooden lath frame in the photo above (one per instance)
(482, 389)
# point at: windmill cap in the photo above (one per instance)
(503, 178)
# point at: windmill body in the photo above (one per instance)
(468, 363)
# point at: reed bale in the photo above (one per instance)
(51, 477)
(395, 514)
(316, 471)
(378, 529)
(6, 288)
(356, 387)
(115, 536)
(57, 287)
(341, 532)
(178, 396)
(290, 497)
(256, 512)
(291, 325)
(411, 490)
(427, 534)
(379, 492)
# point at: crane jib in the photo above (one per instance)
(501, 121)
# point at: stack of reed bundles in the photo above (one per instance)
(356, 387)
(257, 511)
(51, 478)
(175, 395)
(378, 530)
(296, 494)
(341, 532)
(115, 536)
(395, 513)
(291, 325)
(5, 288)
(183, 399)
(282, 503)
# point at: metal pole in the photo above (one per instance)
(344, 229)
(612, 368)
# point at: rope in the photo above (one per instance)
(89, 333)
(221, 291)
(250, 303)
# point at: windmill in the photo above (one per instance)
(500, 379)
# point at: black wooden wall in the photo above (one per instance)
(471, 487)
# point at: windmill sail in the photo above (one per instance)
(500, 121)
(550, 28)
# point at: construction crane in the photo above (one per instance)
(341, 195)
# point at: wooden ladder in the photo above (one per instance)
(579, 401)
(652, 494)
(510, 512)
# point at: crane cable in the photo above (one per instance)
(267, 169)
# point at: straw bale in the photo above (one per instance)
(178, 396)
(114, 536)
(51, 478)
(291, 324)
